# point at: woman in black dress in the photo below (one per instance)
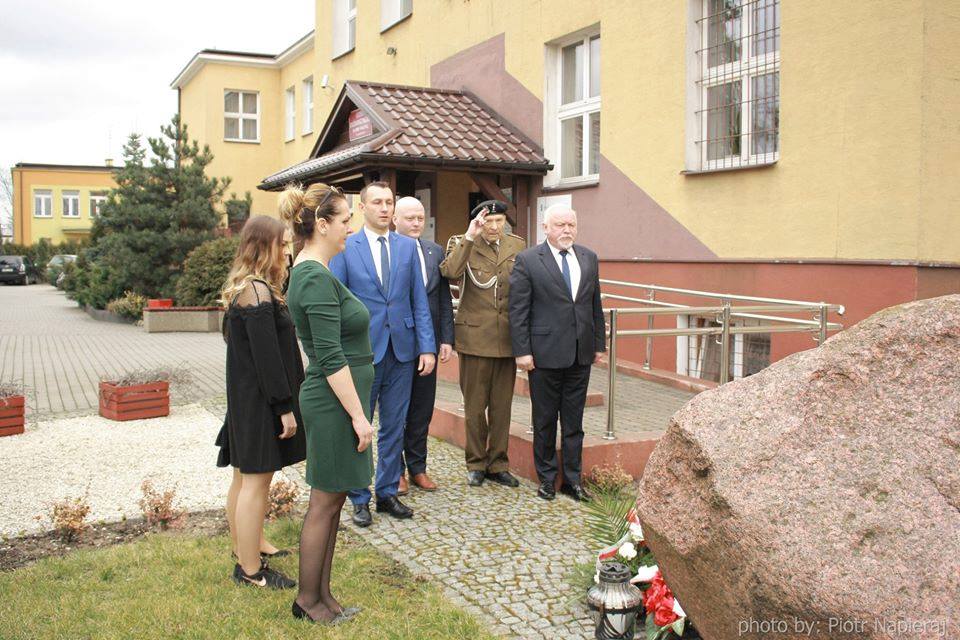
(260, 434)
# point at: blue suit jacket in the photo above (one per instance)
(438, 293)
(403, 318)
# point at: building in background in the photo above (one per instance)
(57, 202)
(715, 145)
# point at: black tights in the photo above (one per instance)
(318, 539)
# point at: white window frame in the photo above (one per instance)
(306, 87)
(393, 12)
(344, 27)
(97, 198)
(241, 116)
(70, 197)
(45, 198)
(290, 114)
(555, 112)
(743, 70)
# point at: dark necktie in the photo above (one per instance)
(566, 272)
(384, 264)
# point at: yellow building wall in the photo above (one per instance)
(246, 163)
(939, 223)
(868, 111)
(856, 179)
(29, 229)
(293, 75)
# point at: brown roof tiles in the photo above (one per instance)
(422, 123)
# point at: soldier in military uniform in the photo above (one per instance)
(481, 261)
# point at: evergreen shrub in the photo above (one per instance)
(204, 272)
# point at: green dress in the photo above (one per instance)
(334, 329)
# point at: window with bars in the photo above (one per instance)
(738, 83)
(573, 109)
(71, 203)
(241, 116)
(700, 357)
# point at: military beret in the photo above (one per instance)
(492, 206)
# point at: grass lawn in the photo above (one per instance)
(178, 586)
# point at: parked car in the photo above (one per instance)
(56, 266)
(61, 259)
(18, 269)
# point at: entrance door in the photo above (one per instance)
(430, 223)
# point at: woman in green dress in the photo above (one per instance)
(334, 329)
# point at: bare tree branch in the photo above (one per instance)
(6, 204)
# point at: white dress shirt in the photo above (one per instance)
(572, 263)
(375, 248)
(423, 262)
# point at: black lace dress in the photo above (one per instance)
(264, 373)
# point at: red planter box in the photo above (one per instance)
(159, 303)
(135, 402)
(11, 416)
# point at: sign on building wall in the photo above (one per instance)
(360, 125)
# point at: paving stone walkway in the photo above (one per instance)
(60, 353)
(642, 407)
(502, 554)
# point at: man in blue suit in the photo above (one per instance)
(382, 269)
(409, 218)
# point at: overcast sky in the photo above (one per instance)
(77, 78)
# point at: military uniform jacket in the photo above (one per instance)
(482, 323)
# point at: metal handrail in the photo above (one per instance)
(839, 308)
(725, 312)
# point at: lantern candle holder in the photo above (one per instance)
(614, 603)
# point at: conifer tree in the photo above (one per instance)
(157, 214)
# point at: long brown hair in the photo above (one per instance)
(259, 257)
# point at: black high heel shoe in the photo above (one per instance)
(300, 614)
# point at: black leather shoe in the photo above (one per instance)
(475, 478)
(361, 515)
(546, 491)
(576, 491)
(504, 478)
(394, 507)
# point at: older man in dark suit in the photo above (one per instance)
(409, 219)
(557, 328)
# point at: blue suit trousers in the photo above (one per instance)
(392, 381)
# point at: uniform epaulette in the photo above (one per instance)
(513, 235)
(452, 242)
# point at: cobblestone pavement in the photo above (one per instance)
(502, 554)
(59, 353)
(642, 406)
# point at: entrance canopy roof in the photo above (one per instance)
(376, 125)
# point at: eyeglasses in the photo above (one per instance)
(330, 193)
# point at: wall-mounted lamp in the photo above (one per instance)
(325, 81)
(391, 51)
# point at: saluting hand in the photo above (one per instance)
(476, 224)
(364, 431)
(289, 422)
